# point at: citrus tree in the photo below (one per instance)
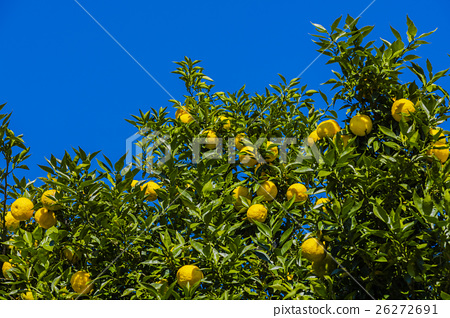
(284, 195)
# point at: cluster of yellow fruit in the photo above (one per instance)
(22, 209)
(360, 125)
(268, 190)
(185, 117)
(403, 107)
(5, 270)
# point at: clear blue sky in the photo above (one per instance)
(69, 84)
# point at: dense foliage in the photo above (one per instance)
(386, 224)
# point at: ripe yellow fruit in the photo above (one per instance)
(45, 218)
(402, 106)
(211, 139)
(328, 128)
(48, 202)
(440, 138)
(237, 193)
(226, 123)
(313, 250)
(5, 268)
(150, 192)
(81, 282)
(10, 222)
(22, 209)
(325, 266)
(268, 190)
(248, 158)
(179, 112)
(71, 257)
(312, 138)
(238, 140)
(27, 296)
(323, 201)
(186, 118)
(441, 151)
(257, 212)
(189, 274)
(299, 191)
(272, 152)
(361, 125)
(133, 183)
(183, 115)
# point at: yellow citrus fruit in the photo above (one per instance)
(436, 134)
(134, 182)
(10, 222)
(272, 152)
(71, 257)
(325, 266)
(312, 138)
(226, 123)
(257, 212)
(183, 115)
(268, 190)
(81, 282)
(237, 193)
(441, 151)
(186, 118)
(27, 296)
(248, 158)
(238, 140)
(48, 202)
(299, 191)
(150, 192)
(323, 201)
(402, 106)
(22, 209)
(313, 250)
(179, 112)
(5, 268)
(211, 139)
(361, 125)
(328, 128)
(45, 218)
(189, 274)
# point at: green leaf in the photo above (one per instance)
(28, 237)
(392, 145)
(262, 256)
(381, 213)
(387, 132)
(265, 229)
(412, 30)
(445, 296)
(207, 188)
(396, 34)
(286, 247)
